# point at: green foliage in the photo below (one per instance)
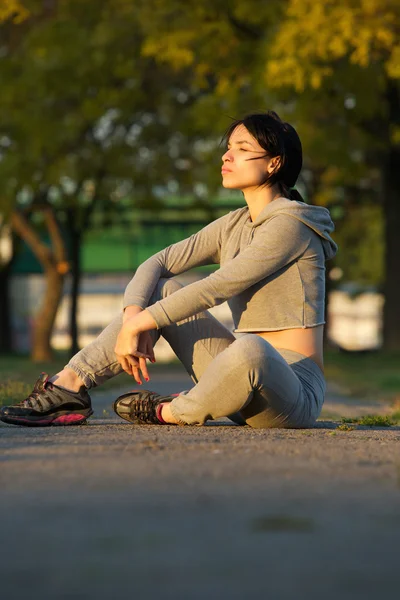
(14, 10)
(362, 258)
(84, 105)
(114, 97)
(370, 421)
(377, 421)
(345, 427)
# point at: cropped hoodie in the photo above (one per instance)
(272, 270)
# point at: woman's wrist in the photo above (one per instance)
(142, 321)
(131, 311)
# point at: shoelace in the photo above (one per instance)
(24, 403)
(145, 409)
(33, 399)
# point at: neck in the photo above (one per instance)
(258, 198)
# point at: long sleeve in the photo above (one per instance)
(278, 243)
(202, 248)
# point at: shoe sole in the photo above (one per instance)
(63, 419)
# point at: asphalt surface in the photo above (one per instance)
(112, 510)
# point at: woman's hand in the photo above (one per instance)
(132, 349)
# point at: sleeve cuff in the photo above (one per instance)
(159, 315)
(133, 302)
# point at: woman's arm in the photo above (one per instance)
(202, 248)
(282, 241)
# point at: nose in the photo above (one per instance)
(227, 156)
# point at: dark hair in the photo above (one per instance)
(278, 139)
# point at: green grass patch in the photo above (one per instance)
(377, 421)
(346, 427)
(369, 421)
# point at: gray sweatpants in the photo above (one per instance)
(245, 379)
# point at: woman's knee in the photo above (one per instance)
(165, 287)
(249, 351)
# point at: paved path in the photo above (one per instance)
(110, 510)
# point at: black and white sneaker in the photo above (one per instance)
(49, 404)
(141, 407)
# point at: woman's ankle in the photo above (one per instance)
(68, 379)
(166, 414)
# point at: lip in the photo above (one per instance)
(225, 170)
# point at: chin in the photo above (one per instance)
(230, 186)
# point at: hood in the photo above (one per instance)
(316, 218)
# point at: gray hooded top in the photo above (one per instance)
(272, 270)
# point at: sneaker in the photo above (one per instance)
(49, 404)
(141, 407)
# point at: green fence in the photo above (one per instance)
(116, 249)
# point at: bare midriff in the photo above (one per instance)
(308, 342)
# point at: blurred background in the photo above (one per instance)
(111, 118)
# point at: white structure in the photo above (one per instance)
(355, 323)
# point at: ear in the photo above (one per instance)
(274, 164)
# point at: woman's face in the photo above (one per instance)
(245, 163)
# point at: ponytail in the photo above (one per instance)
(290, 192)
(295, 195)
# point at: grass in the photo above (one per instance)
(345, 427)
(369, 375)
(12, 391)
(371, 421)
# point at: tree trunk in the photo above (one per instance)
(78, 224)
(391, 312)
(45, 317)
(5, 313)
(55, 266)
(391, 194)
(76, 239)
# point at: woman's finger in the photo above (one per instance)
(125, 364)
(143, 368)
(136, 376)
(135, 369)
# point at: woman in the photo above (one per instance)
(272, 273)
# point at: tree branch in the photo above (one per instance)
(25, 230)
(57, 241)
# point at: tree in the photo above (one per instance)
(131, 98)
(89, 116)
(316, 51)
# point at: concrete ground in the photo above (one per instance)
(112, 510)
